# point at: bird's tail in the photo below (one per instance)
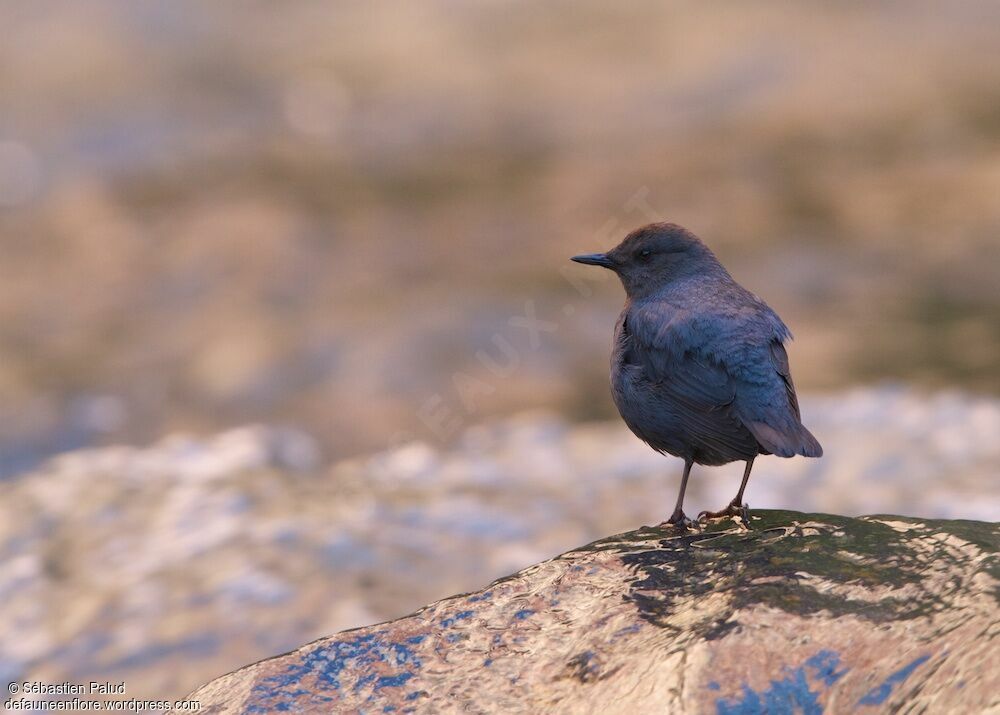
(797, 440)
(809, 446)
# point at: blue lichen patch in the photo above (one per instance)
(460, 616)
(392, 681)
(824, 667)
(881, 693)
(799, 691)
(365, 662)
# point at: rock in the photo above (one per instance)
(804, 613)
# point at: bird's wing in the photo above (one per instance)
(694, 385)
(769, 407)
(779, 358)
(734, 363)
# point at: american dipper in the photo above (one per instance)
(698, 365)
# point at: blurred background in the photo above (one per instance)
(349, 224)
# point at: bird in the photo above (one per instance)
(699, 368)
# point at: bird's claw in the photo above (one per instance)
(733, 510)
(680, 520)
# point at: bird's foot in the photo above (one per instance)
(734, 510)
(680, 520)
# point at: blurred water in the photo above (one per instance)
(272, 213)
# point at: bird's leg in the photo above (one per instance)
(738, 501)
(678, 518)
(736, 506)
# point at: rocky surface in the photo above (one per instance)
(804, 613)
(164, 565)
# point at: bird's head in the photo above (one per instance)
(654, 256)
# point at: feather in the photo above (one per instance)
(725, 374)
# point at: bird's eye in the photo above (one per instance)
(645, 253)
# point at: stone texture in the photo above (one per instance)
(804, 613)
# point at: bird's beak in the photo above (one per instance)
(594, 259)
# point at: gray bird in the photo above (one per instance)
(698, 365)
